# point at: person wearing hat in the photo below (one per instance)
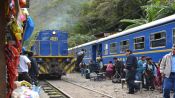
(167, 70)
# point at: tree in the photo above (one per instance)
(79, 39)
(155, 10)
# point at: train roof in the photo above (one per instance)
(138, 28)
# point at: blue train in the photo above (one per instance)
(51, 43)
(51, 52)
(154, 39)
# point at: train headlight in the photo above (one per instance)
(53, 32)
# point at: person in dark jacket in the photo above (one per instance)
(119, 66)
(33, 71)
(80, 56)
(131, 65)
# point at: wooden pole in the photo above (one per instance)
(3, 86)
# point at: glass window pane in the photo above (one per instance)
(124, 45)
(113, 48)
(139, 43)
(106, 49)
(152, 37)
(157, 36)
(139, 46)
(159, 39)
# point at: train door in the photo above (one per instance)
(94, 47)
(99, 50)
(96, 51)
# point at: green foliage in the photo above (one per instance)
(104, 15)
(155, 9)
(84, 18)
(133, 22)
(80, 39)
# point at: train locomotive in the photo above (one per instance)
(51, 53)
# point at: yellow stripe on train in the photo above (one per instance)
(43, 70)
(145, 52)
(67, 68)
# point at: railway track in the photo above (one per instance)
(52, 91)
(78, 91)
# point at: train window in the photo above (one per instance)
(88, 53)
(173, 36)
(45, 38)
(106, 49)
(158, 39)
(139, 43)
(124, 45)
(113, 48)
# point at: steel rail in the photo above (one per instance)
(52, 91)
(88, 88)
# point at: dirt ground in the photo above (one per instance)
(113, 89)
(107, 87)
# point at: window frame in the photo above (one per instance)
(155, 40)
(115, 48)
(173, 35)
(104, 49)
(139, 42)
(120, 45)
(87, 52)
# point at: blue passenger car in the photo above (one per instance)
(154, 39)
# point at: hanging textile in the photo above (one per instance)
(29, 28)
(12, 62)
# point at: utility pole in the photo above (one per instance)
(3, 11)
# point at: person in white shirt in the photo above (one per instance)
(23, 69)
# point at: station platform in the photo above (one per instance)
(109, 88)
(106, 86)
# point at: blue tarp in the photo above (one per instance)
(29, 28)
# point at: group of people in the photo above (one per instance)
(151, 74)
(161, 75)
(20, 65)
(144, 70)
